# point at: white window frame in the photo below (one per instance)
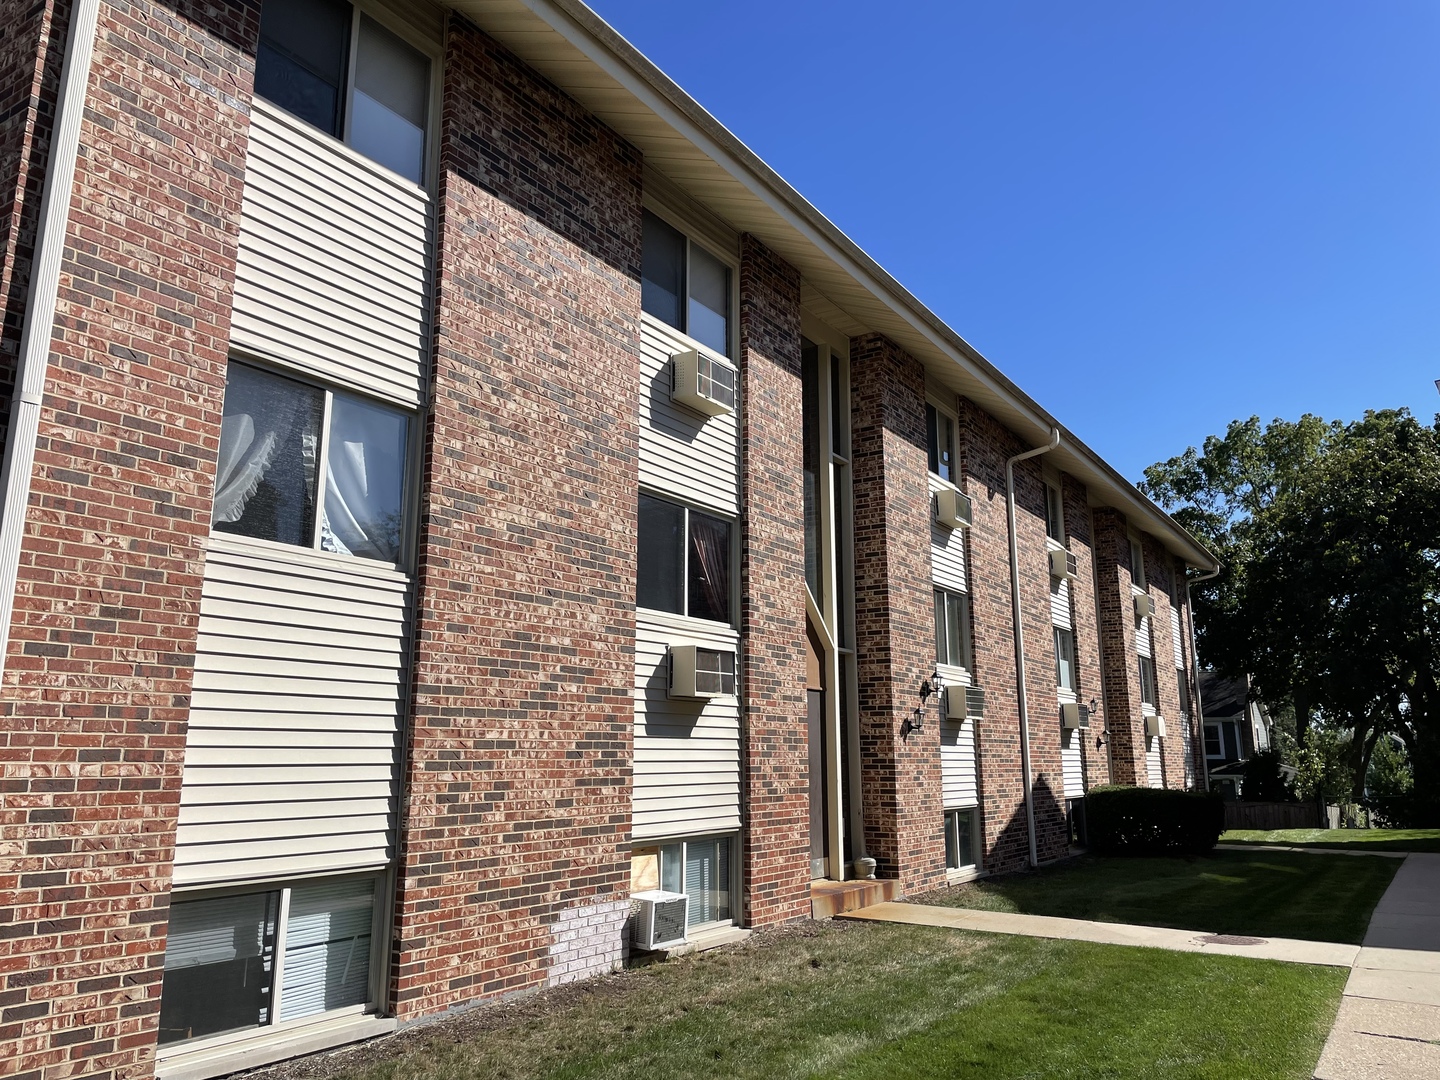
(967, 631)
(1149, 708)
(947, 411)
(1219, 737)
(1066, 693)
(429, 44)
(707, 239)
(1137, 550)
(952, 841)
(1055, 504)
(732, 887)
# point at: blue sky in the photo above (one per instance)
(1155, 217)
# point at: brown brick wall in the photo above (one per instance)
(98, 677)
(516, 807)
(900, 787)
(1124, 726)
(1089, 681)
(774, 743)
(986, 445)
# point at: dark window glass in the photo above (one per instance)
(959, 839)
(1064, 659)
(300, 63)
(839, 416)
(1184, 685)
(1213, 747)
(709, 567)
(1147, 681)
(661, 564)
(662, 271)
(952, 628)
(811, 449)
(219, 965)
(1054, 514)
(709, 301)
(940, 437)
(392, 84)
(266, 470)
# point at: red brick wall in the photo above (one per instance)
(985, 447)
(98, 675)
(900, 785)
(1089, 682)
(774, 744)
(516, 806)
(1182, 597)
(1160, 574)
(1124, 726)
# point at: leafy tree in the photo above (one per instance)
(1330, 596)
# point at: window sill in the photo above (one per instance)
(964, 874)
(267, 1047)
(712, 937)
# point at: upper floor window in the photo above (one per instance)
(683, 285)
(337, 68)
(940, 437)
(684, 564)
(1148, 696)
(952, 628)
(1065, 659)
(1054, 514)
(1137, 563)
(279, 436)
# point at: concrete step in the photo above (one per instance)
(831, 898)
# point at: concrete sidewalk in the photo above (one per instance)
(1388, 1027)
(1104, 933)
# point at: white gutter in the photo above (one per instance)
(1020, 637)
(40, 305)
(1195, 665)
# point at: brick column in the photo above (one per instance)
(514, 861)
(1089, 683)
(1161, 565)
(986, 446)
(774, 737)
(98, 677)
(900, 787)
(1124, 724)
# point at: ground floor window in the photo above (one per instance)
(252, 959)
(701, 870)
(961, 836)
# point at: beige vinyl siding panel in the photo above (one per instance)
(947, 550)
(333, 264)
(1143, 632)
(291, 755)
(1072, 763)
(958, 786)
(687, 753)
(692, 457)
(1175, 638)
(1060, 603)
(1154, 769)
(1187, 739)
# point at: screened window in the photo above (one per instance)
(960, 837)
(701, 870)
(1054, 514)
(1148, 696)
(940, 438)
(684, 561)
(220, 957)
(1065, 659)
(279, 437)
(952, 628)
(683, 285)
(340, 70)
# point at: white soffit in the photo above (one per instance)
(580, 53)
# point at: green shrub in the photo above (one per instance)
(1151, 821)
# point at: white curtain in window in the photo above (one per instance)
(363, 479)
(258, 417)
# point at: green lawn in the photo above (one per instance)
(1264, 894)
(885, 1001)
(1350, 839)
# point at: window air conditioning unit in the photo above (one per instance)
(964, 703)
(952, 508)
(703, 383)
(698, 672)
(1074, 716)
(1063, 564)
(1155, 727)
(1144, 607)
(660, 922)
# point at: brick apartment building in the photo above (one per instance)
(451, 484)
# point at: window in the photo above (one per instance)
(1214, 747)
(220, 957)
(684, 564)
(701, 870)
(340, 70)
(960, 836)
(1147, 683)
(1054, 514)
(1137, 564)
(1184, 686)
(278, 436)
(952, 628)
(683, 285)
(940, 438)
(1065, 659)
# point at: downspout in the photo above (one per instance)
(34, 357)
(1195, 664)
(1019, 637)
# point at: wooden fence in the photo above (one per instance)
(1272, 815)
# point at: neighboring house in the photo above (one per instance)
(454, 485)
(1235, 728)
